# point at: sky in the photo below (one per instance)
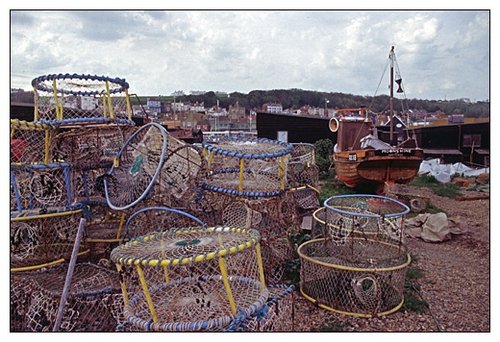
(441, 54)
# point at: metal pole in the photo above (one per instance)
(391, 56)
(69, 275)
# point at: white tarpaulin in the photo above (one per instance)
(444, 172)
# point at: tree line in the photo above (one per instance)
(296, 98)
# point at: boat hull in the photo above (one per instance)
(375, 168)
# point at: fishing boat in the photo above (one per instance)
(367, 157)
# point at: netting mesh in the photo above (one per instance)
(40, 186)
(157, 219)
(247, 167)
(276, 315)
(91, 304)
(29, 142)
(184, 167)
(359, 265)
(191, 279)
(37, 240)
(302, 169)
(139, 163)
(62, 97)
(88, 146)
(363, 214)
(364, 277)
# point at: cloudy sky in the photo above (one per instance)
(441, 54)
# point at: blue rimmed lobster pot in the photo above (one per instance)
(356, 263)
(191, 279)
(58, 163)
(247, 186)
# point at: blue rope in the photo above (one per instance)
(37, 83)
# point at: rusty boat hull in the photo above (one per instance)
(376, 168)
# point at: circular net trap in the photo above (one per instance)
(363, 214)
(39, 187)
(184, 167)
(42, 240)
(92, 303)
(74, 98)
(157, 219)
(30, 142)
(191, 279)
(302, 169)
(363, 278)
(136, 167)
(249, 167)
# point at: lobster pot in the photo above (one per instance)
(88, 184)
(42, 240)
(30, 142)
(198, 279)
(307, 198)
(91, 304)
(72, 98)
(247, 167)
(88, 147)
(363, 278)
(136, 167)
(184, 167)
(103, 230)
(302, 169)
(157, 219)
(276, 315)
(363, 215)
(275, 218)
(39, 187)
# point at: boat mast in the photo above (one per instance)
(391, 95)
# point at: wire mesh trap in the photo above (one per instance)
(42, 240)
(363, 278)
(74, 98)
(136, 167)
(91, 305)
(191, 279)
(249, 167)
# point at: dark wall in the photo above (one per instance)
(300, 129)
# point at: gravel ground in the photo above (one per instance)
(455, 281)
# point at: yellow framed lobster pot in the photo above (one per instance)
(196, 279)
(30, 142)
(247, 167)
(358, 267)
(81, 99)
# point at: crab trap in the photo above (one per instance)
(363, 214)
(359, 265)
(92, 305)
(66, 99)
(248, 167)
(302, 169)
(198, 279)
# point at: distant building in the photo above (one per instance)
(272, 108)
